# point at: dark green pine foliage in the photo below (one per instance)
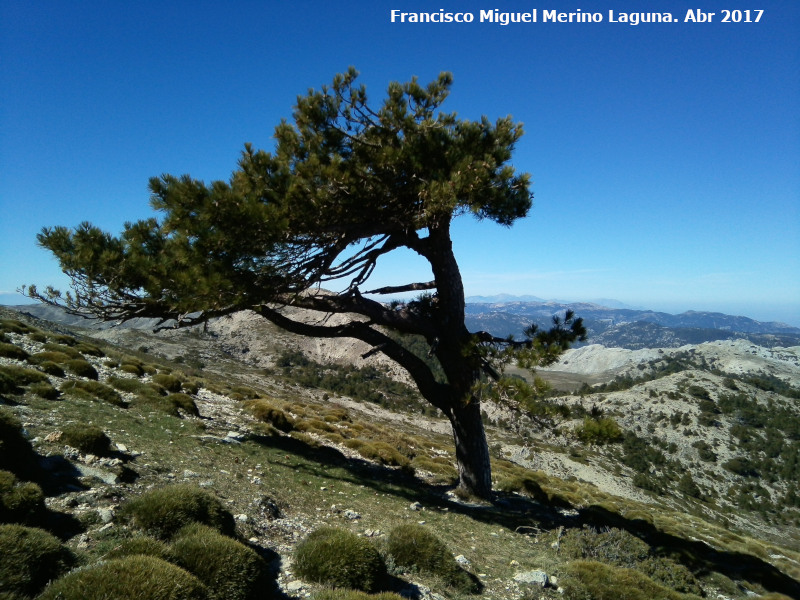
(347, 183)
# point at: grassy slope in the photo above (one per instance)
(314, 484)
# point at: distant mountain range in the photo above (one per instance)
(612, 327)
(626, 327)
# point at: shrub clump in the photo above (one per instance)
(89, 439)
(168, 382)
(590, 579)
(139, 576)
(150, 398)
(611, 545)
(414, 546)
(140, 545)
(183, 402)
(339, 558)
(45, 390)
(81, 368)
(31, 558)
(381, 452)
(58, 357)
(165, 511)
(13, 351)
(132, 368)
(16, 452)
(93, 390)
(264, 411)
(52, 368)
(20, 502)
(229, 569)
(14, 326)
(599, 431)
(22, 376)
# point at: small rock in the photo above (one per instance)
(106, 515)
(294, 586)
(242, 518)
(122, 447)
(235, 435)
(462, 560)
(532, 577)
(514, 563)
(351, 515)
(415, 506)
(189, 473)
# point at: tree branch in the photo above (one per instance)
(433, 391)
(410, 287)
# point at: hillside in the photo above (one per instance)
(676, 478)
(629, 328)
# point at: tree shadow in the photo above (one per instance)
(518, 513)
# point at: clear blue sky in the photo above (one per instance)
(665, 157)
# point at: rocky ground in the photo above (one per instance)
(274, 517)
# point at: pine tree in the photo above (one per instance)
(346, 184)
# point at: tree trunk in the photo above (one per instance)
(472, 450)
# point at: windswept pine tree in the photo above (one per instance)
(346, 184)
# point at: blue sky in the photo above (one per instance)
(665, 157)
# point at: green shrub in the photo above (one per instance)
(229, 569)
(57, 357)
(13, 351)
(140, 545)
(443, 471)
(132, 368)
(191, 387)
(64, 340)
(339, 558)
(163, 512)
(81, 368)
(30, 558)
(132, 386)
(14, 326)
(381, 452)
(90, 349)
(140, 577)
(522, 484)
(149, 398)
(16, 452)
(264, 411)
(414, 546)
(45, 390)
(7, 385)
(168, 382)
(599, 431)
(65, 348)
(671, 574)
(183, 402)
(89, 439)
(22, 376)
(19, 502)
(611, 545)
(93, 390)
(589, 579)
(52, 368)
